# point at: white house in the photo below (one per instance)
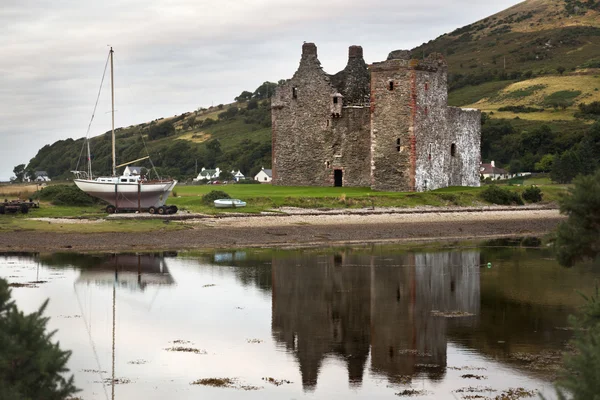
(208, 174)
(237, 175)
(493, 172)
(42, 176)
(131, 171)
(264, 176)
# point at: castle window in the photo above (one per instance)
(391, 86)
(426, 85)
(430, 150)
(328, 123)
(453, 150)
(295, 92)
(426, 110)
(335, 100)
(327, 164)
(398, 145)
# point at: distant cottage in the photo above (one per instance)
(42, 176)
(387, 126)
(264, 176)
(208, 174)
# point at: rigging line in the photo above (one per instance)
(94, 112)
(149, 158)
(91, 341)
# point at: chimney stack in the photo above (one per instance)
(309, 49)
(355, 52)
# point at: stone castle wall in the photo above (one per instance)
(313, 136)
(388, 126)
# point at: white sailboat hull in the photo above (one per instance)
(128, 195)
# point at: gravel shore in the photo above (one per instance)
(299, 231)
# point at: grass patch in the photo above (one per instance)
(17, 191)
(525, 92)
(563, 98)
(266, 197)
(24, 224)
(473, 94)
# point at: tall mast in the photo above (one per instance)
(112, 97)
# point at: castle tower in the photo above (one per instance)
(417, 142)
(319, 139)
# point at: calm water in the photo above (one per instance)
(336, 323)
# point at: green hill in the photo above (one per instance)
(534, 69)
(231, 136)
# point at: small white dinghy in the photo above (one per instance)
(229, 203)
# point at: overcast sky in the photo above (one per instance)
(173, 56)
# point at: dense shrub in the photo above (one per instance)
(213, 195)
(32, 364)
(65, 195)
(520, 109)
(497, 195)
(532, 194)
(590, 111)
(248, 182)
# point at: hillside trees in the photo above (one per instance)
(581, 159)
(264, 91)
(161, 130)
(579, 237)
(244, 96)
(19, 172)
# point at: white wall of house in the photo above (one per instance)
(263, 177)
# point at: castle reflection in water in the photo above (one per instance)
(352, 306)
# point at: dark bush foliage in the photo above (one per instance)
(31, 365)
(578, 238)
(213, 195)
(248, 182)
(65, 195)
(520, 109)
(532, 194)
(590, 111)
(497, 195)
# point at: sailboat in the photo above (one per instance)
(128, 192)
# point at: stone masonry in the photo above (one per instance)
(387, 126)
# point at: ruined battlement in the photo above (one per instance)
(402, 59)
(355, 52)
(309, 49)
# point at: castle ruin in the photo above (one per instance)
(385, 125)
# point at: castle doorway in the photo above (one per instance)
(338, 174)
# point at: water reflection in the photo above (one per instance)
(352, 305)
(353, 322)
(127, 271)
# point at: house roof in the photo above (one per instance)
(488, 169)
(208, 172)
(269, 172)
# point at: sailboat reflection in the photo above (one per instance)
(128, 271)
(133, 272)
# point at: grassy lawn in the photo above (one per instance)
(262, 198)
(265, 197)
